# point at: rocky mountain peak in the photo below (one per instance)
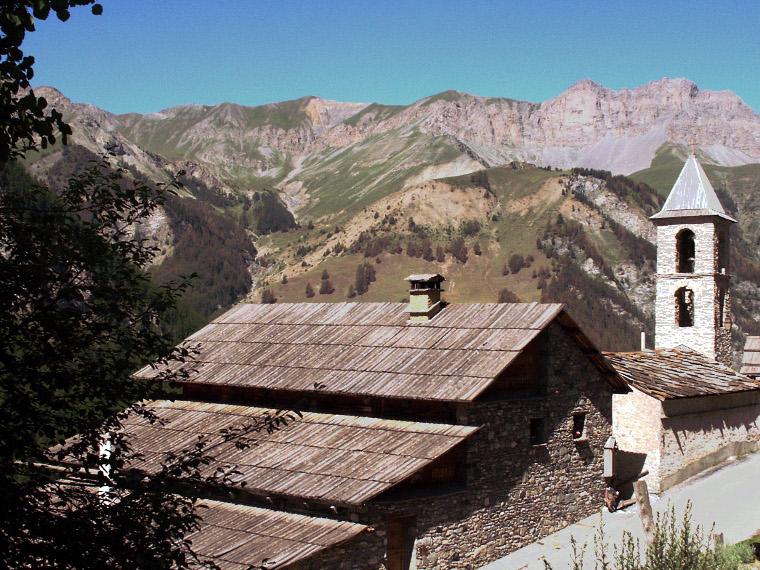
(288, 142)
(586, 85)
(326, 114)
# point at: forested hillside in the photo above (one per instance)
(201, 235)
(580, 237)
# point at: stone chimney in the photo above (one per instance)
(424, 296)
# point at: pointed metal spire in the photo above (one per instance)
(692, 195)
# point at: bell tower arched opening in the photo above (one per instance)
(685, 251)
(723, 252)
(684, 307)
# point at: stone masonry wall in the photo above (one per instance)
(692, 429)
(637, 429)
(706, 335)
(516, 493)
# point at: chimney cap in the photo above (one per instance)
(426, 278)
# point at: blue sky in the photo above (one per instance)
(150, 55)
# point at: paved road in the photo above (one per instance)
(727, 495)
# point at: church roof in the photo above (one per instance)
(680, 372)
(692, 195)
(371, 349)
(751, 362)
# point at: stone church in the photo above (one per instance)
(688, 410)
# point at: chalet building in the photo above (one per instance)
(430, 436)
(687, 410)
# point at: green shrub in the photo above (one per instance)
(675, 546)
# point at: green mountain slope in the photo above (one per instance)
(515, 228)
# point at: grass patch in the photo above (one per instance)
(449, 96)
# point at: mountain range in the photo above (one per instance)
(364, 182)
(295, 144)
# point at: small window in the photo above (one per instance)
(721, 307)
(537, 431)
(579, 425)
(684, 307)
(685, 251)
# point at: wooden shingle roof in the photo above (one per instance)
(369, 349)
(239, 537)
(678, 373)
(330, 458)
(751, 361)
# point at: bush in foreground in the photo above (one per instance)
(674, 546)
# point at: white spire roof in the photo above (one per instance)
(692, 195)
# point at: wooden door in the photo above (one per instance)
(402, 532)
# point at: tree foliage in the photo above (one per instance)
(25, 122)
(212, 247)
(458, 249)
(208, 244)
(507, 296)
(81, 313)
(78, 315)
(604, 320)
(266, 213)
(81, 316)
(365, 274)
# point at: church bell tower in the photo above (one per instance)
(693, 238)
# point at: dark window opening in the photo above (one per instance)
(537, 431)
(684, 307)
(425, 285)
(685, 251)
(579, 426)
(721, 306)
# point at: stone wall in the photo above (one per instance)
(637, 429)
(696, 428)
(706, 335)
(516, 492)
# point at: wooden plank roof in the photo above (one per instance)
(678, 373)
(368, 349)
(751, 361)
(330, 458)
(238, 537)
